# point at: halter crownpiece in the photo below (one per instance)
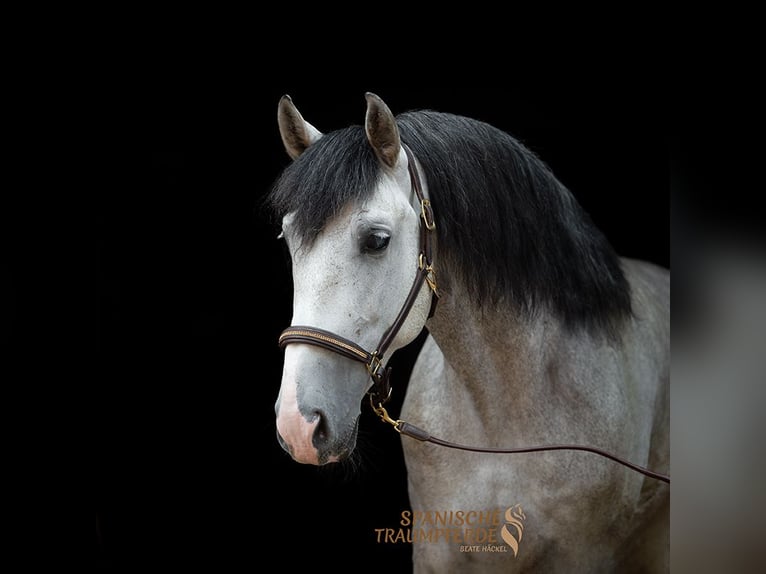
(426, 274)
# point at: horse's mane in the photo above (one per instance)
(510, 230)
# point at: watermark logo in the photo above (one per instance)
(514, 517)
(495, 530)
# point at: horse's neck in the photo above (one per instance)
(489, 348)
(506, 361)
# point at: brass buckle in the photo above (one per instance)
(374, 365)
(427, 214)
(431, 272)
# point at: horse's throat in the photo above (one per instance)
(500, 359)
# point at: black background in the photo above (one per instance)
(195, 289)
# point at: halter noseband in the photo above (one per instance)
(374, 360)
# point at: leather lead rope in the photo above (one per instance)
(418, 433)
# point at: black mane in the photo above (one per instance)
(509, 229)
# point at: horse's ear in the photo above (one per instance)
(297, 134)
(382, 133)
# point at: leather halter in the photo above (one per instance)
(425, 274)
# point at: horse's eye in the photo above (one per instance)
(377, 241)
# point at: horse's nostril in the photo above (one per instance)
(321, 432)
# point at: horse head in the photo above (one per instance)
(353, 267)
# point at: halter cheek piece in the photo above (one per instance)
(374, 360)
